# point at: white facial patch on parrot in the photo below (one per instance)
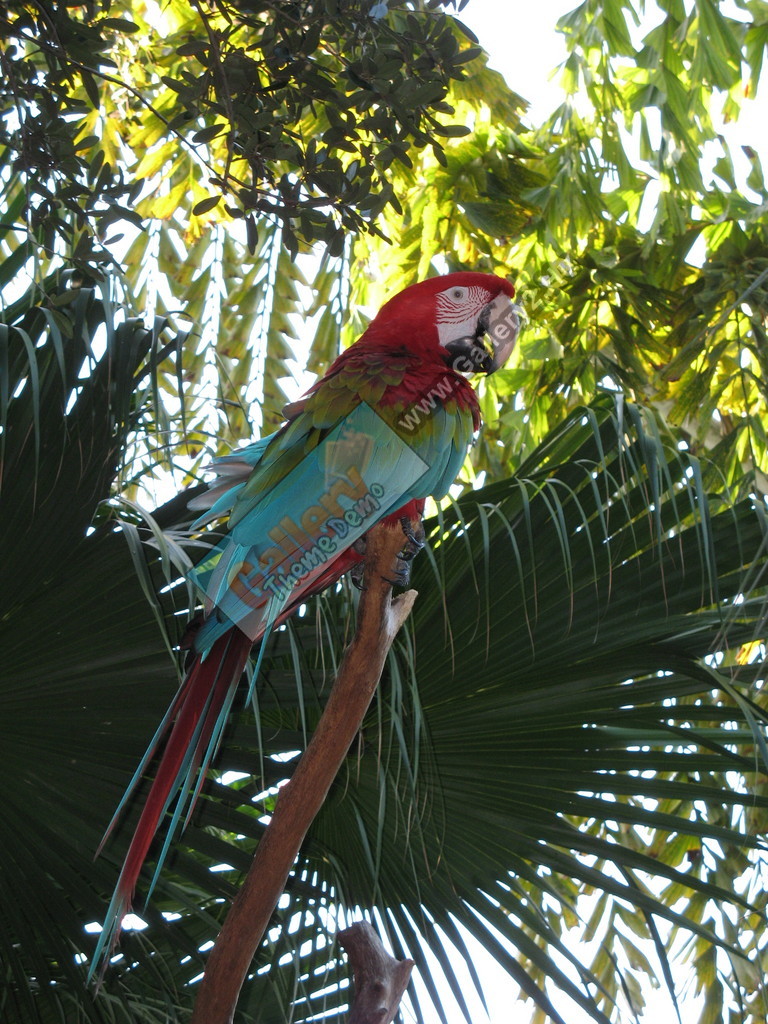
(458, 310)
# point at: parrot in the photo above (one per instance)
(386, 427)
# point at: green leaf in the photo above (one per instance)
(452, 131)
(120, 25)
(206, 134)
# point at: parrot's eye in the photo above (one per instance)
(461, 304)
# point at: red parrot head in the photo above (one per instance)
(470, 317)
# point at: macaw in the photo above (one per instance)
(386, 427)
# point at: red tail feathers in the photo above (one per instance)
(189, 736)
(192, 730)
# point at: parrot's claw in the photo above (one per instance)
(401, 576)
(402, 573)
(414, 542)
(357, 571)
(415, 539)
(357, 575)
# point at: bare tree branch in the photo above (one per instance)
(379, 619)
(379, 979)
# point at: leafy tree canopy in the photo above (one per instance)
(238, 134)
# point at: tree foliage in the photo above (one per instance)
(275, 170)
(293, 112)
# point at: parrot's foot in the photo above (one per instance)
(415, 538)
(356, 574)
(401, 575)
(414, 542)
(357, 571)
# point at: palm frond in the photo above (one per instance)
(562, 703)
(77, 635)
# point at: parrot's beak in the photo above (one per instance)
(497, 329)
(502, 330)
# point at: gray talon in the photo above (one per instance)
(402, 573)
(401, 577)
(356, 574)
(415, 539)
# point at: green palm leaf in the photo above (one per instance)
(553, 706)
(77, 635)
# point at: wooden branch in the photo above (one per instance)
(379, 979)
(379, 618)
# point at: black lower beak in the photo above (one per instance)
(469, 355)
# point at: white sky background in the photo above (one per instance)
(523, 45)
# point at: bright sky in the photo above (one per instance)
(524, 46)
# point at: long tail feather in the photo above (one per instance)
(190, 734)
(192, 729)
